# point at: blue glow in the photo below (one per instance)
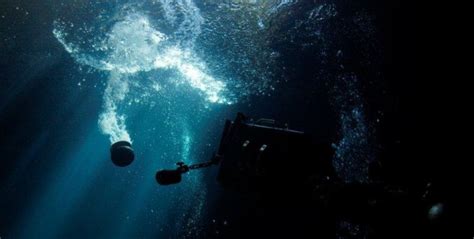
(167, 72)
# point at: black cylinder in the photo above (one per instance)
(122, 153)
(167, 177)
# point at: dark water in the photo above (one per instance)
(79, 75)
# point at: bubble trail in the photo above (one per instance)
(134, 45)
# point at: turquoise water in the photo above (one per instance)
(165, 74)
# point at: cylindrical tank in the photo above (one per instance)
(121, 153)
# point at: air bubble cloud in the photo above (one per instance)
(133, 45)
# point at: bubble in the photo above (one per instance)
(134, 45)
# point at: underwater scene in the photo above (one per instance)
(165, 75)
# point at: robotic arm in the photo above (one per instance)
(251, 152)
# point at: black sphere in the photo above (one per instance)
(122, 153)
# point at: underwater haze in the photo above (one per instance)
(77, 76)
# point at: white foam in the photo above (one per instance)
(134, 45)
(110, 122)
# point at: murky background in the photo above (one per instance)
(165, 74)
